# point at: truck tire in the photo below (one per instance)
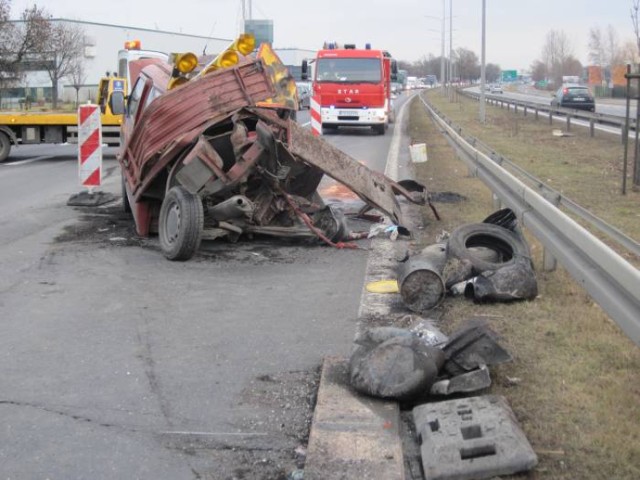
(126, 206)
(379, 129)
(507, 244)
(5, 146)
(180, 224)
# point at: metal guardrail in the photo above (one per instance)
(610, 280)
(551, 194)
(568, 113)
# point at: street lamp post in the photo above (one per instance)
(442, 79)
(482, 66)
(450, 48)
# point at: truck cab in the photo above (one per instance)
(353, 87)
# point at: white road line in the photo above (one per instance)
(391, 170)
(28, 160)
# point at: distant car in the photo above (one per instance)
(574, 96)
(495, 88)
(304, 95)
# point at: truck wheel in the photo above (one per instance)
(379, 129)
(180, 225)
(5, 146)
(126, 206)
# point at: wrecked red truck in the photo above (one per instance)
(209, 149)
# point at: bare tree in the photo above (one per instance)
(66, 46)
(596, 47)
(78, 76)
(539, 71)
(19, 39)
(468, 64)
(556, 52)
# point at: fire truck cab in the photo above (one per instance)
(353, 86)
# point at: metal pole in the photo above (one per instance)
(482, 67)
(442, 79)
(450, 45)
(635, 142)
(625, 134)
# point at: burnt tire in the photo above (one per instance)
(5, 146)
(180, 224)
(506, 243)
(126, 206)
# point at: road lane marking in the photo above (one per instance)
(28, 160)
(391, 170)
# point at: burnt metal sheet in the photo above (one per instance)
(373, 187)
(187, 110)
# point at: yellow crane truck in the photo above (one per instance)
(60, 127)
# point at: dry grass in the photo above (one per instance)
(575, 380)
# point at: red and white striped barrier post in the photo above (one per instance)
(89, 158)
(316, 119)
(89, 146)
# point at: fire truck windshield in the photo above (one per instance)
(349, 70)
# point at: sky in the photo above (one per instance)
(408, 29)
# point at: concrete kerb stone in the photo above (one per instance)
(354, 436)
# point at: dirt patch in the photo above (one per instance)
(282, 405)
(574, 382)
(104, 226)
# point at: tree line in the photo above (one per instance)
(36, 43)
(557, 58)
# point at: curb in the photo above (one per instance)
(352, 435)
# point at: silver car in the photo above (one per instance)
(304, 95)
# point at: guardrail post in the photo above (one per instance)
(497, 203)
(515, 108)
(536, 113)
(591, 127)
(568, 122)
(549, 262)
(525, 111)
(550, 117)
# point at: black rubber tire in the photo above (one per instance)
(126, 206)
(5, 146)
(509, 245)
(180, 224)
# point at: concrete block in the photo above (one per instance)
(471, 438)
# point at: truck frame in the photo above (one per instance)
(60, 127)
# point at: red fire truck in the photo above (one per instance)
(353, 86)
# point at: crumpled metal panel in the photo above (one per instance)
(373, 187)
(187, 110)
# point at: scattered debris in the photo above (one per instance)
(383, 286)
(393, 363)
(420, 278)
(513, 282)
(556, 132)
(429, 333)
(471, 438)
(464, 383)
(418, 152)
(473, 346)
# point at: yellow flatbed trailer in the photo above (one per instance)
(59, 127)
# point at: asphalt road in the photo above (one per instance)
(117, 363)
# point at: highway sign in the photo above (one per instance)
(509, 75)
